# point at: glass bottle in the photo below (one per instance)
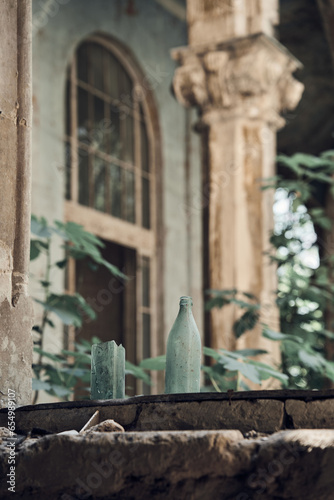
(183, 358)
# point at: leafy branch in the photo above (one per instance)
(58, 377)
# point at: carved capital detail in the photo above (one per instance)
(249, 76)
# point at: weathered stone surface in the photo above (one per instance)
(312, 414)
(212, 21)
(69, 418)
(200, 411)
(173, 465)
(262, 415)
(106, 426)
(249, 77)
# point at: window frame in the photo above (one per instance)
(146, 242)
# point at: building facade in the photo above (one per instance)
(116, 105)
(114, 151)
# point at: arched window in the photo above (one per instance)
(110, 190)
(110, 168)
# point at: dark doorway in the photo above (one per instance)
(112, 298)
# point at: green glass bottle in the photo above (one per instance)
(183, 358)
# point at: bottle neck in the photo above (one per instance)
(186, 301)
(186, 304)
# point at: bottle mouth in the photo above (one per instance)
(186, 301)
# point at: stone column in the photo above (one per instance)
(16, 315)
(239, 86)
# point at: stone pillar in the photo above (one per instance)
(16, 315)
(240, 86)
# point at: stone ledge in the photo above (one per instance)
(311, 415)
(262, 411)
(260, 415)
(175, 464)
(245, 415)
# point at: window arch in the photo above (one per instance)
(111, 167)
(112, 145)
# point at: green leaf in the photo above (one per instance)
(49, 322)
(83, 244)
(208, 351)
(138, 372)
(327, 333)
(39, 227)
(267, 371)
(40, 385)
(215, 293)
(61, 264)
(247, 322)
(34, 249)
(49, 355)
(245, 369)
(250, 352)
(328, 155)
(75, 372)
(81, 356)
(69, 308)
(216, 302)
(329, 367)
(45, 284)
(245, 305)
(60, 391)
(272, 335)
(157, 363)
(313, 361)
(249, 295)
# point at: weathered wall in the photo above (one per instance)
(15, 174)
(149, 34)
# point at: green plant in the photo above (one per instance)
(63, 371)
(305, 272)
(57, 376)
(305, 266)
(229, 370)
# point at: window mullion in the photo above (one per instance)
(139, 320)
(138, 168)
(91, 132)
(74, 136)
(108, 125)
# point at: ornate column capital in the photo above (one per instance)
(248, 77)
